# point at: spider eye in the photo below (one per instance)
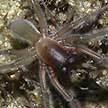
(64, 69)
(24, 30)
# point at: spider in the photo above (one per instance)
(54, 51)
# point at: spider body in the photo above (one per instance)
(53, 53)
(58, 57)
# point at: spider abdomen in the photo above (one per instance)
(50, 52)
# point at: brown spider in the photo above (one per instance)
(54, 51)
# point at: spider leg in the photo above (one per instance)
(84, 38)
(23, 57)
(26, 51)
(50, 14)
(99, 59)
(68, 97)
(85, 50)
(44, 90)
(24, 30)
(41, 17)
(88, 17)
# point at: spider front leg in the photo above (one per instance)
(44, 90)
(100, 60)
(68, 97)
(87, 51)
